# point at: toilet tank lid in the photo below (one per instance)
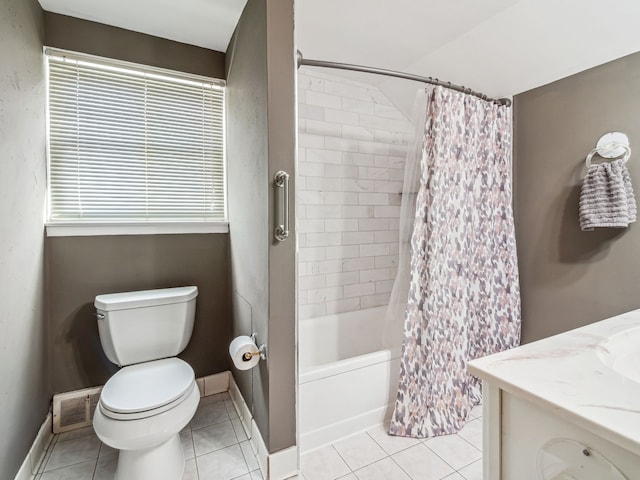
(145, 298)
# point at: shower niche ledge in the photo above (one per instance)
(565, 407)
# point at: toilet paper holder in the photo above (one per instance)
(262, 350)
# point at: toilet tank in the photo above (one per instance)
(147, 325)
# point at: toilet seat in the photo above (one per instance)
(147, 389)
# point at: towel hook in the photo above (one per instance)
(611, 145)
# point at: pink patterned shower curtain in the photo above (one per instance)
(464, 296)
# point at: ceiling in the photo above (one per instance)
(499, 47)
(205, 23)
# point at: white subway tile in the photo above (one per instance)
(367, 224)
(345, 278)
(324, 156)
(358, 133)
(341, 88)
(386, 236)
(326, 266)
(306, 82)
(341, 117)
(302, 240)
(375, 275)
(323, 294)
(359, 289)
(387, 186)
(323, 184)
(310, 112)
(302, 268)
(341, 171)
(343, 305)
(317, 127)
(394, 223)
(302, 296)
(323, 100)
(373, 198)
(324, 211)
(302, 153)
(374, 95)
(358, 106)
(395, 199)
(385, 212)
(373, 173)
(357, 238)
(341, 144)
(374, 250)
(396, 174)
(386, 261)
(375, 148)
(323, 239)
(312, 281)
(310, 141)
(341, 225)
(341, 198)
(358, 211)
(384, 286)
(310, 197)
(310, 225)
(376, 300)
(359, 159)
(311, 254)
(355, 264)
(312, 311)
(342, 251)
(388, 111)
(351, 185)
(393, 248)
(398, 150)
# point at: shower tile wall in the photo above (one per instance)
(351, 166)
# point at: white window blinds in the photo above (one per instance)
(131, 144)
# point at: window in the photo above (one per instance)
(132, 145)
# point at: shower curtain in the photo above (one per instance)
(463, 298)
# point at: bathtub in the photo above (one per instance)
(347, 381)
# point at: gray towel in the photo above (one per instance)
(606, 197)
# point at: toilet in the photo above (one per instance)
(145, 405)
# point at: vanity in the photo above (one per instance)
(565, 407)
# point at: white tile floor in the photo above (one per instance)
(215, 447)
(374, 455)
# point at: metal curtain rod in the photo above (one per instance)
(392, 73)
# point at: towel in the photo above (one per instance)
(606, 197)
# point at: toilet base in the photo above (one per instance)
(162, 462)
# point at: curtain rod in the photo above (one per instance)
(392, 73)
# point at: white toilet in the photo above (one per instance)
(154, 395)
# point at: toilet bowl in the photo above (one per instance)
(145, 405)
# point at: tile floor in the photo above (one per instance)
(215, 447)
(374, 455)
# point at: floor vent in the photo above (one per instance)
(75, 409)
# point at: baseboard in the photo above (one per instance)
(29, 467)
(274, 466)
(212, 384)
(331, 433)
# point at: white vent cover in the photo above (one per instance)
(75, 409)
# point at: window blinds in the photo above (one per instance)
(129, 144)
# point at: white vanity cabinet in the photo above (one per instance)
(555, 410)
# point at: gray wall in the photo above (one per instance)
(570, 278)
(261, 140)
(72, 33)
(24, 386)
(79, 268)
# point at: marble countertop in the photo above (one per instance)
(566, 374)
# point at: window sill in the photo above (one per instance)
(101, 229)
